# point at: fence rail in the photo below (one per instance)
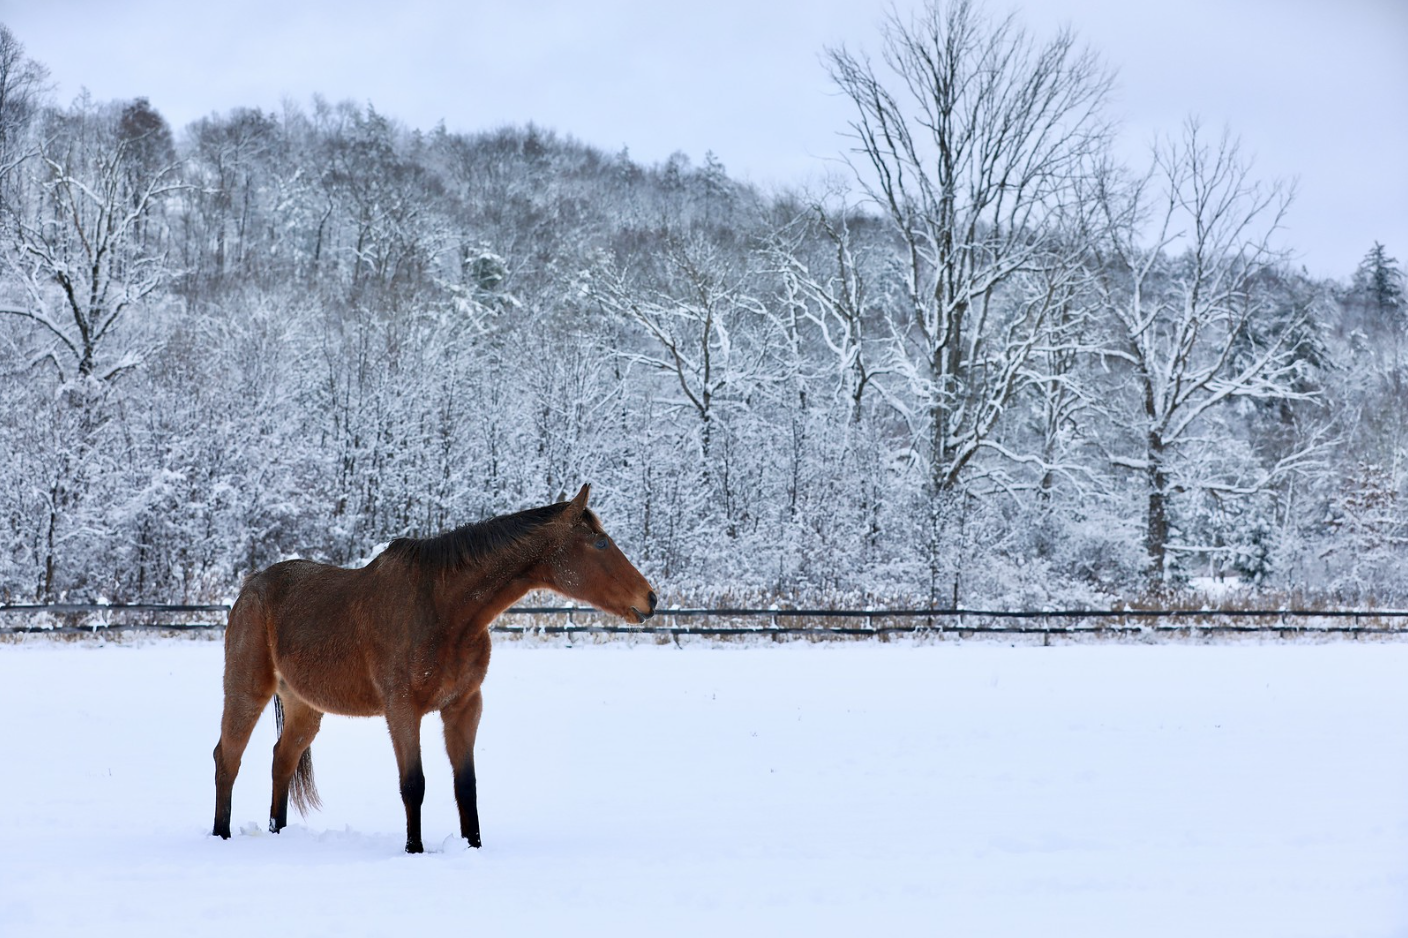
(782, 622)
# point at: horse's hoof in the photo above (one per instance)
(414, 847)
(474, 842)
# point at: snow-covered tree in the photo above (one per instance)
(968, 140)
(1181, 266)
(22, 89)
(78, 251)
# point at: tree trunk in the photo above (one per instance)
(1156, 519)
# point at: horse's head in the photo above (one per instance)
(588, 566)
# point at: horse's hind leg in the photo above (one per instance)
(242, 712)
(292, 762)
(249, 683)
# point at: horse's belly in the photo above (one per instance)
(336, 700)
(343, 688)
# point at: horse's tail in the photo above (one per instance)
(302, 791)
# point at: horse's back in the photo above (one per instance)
(279, 583)
(265, 597)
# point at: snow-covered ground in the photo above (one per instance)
(840, 789)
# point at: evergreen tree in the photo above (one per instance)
(1378, 289)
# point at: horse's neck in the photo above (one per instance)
(493, 607)
(480, 593)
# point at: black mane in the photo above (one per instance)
(474, 542)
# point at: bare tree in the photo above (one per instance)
(1185, 249)
(829, 292)
(81, 246)
(705, 332)
(231, 166)
(22, 87)
(80, 254)
(383, 201)
(969, 144)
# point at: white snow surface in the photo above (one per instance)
(842, 789)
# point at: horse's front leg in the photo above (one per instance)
(461, 725)
(405, 739)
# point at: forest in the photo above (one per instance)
(993, 366)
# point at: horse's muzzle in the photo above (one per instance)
(642, 616)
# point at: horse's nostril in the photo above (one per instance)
(651, 597)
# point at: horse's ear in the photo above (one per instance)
(579, 504)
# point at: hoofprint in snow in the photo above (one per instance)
(838, 789)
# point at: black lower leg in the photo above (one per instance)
(224, 783)
(278, 812)
(412, 794)
(467, 798)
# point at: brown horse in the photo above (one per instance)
(404, 635)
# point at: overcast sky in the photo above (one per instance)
(1316, 89)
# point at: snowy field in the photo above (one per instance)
(841, 789)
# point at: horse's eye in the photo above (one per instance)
(601, 543)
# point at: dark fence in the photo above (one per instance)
(743, 621)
